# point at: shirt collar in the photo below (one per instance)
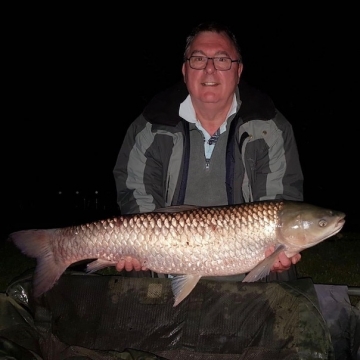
(187, 111)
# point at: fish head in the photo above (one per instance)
(303, 225)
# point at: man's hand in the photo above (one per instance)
(282, 262)
(129, 264)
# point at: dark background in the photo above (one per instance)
(79, 76)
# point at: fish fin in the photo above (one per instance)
(177, 208)
(98, 265)
(263, 268)
(37, 244)
(182, 286)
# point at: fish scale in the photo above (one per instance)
(186, 241)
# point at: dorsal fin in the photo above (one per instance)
(177, 208)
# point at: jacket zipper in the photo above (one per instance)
(207, 163)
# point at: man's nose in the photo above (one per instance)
(210, 67)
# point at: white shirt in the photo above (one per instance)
(187, 112)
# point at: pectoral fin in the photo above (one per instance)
(263, 268)
(98, 265)
(182, 286)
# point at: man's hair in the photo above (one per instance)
(212, 26)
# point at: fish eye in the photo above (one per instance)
(322, 222)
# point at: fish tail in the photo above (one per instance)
(37, 244)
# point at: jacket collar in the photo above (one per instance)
(163, 109)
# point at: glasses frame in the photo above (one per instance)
(212, 58)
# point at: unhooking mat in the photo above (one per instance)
(97, 317)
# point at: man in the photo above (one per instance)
(210, 140)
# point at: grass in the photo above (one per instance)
(334, 261)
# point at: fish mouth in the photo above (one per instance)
(337, 227)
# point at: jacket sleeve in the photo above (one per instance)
(278, 173)
(293, 179)
(137, 192)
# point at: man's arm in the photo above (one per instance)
(279, 176)
(136, 192)
(278, 172)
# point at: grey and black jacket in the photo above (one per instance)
(262, 160)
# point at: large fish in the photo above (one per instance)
(187, 241)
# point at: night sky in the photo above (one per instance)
(80, 76)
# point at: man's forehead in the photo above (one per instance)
(213, 41)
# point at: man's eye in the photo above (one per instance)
(221, 59)
(198, 58)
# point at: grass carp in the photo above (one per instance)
(186, 241)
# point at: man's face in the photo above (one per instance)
(209, 85)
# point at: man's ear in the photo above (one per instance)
(240, 70)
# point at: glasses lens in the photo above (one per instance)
(200, 62)
(222, 63)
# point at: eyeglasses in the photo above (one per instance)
(221, 63)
